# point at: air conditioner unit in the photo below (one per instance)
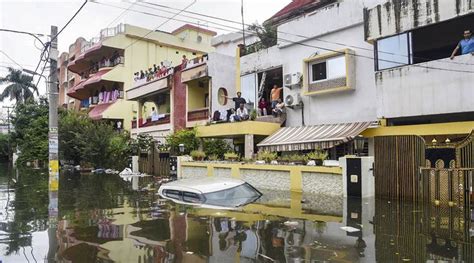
(293, 101)
(292, 79)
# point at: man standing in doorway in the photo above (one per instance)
(237, 100)
(466, 45)
(275, 94)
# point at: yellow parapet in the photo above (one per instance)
(422, 129)
(230, 129)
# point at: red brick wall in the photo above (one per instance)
(179, 107)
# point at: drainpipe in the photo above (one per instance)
(302, 113)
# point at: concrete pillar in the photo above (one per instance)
(139, 112)
(248, 148)
(371, 147)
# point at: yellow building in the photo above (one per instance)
(107, 65)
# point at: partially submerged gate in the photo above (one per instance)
(397, 163)
(408, 169)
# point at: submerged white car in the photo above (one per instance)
(210, 192)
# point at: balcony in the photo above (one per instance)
(436, 87)
(198, 114)
(96, 85)
(147, 87)
(389, 18)
(195, 69)
(149, 123)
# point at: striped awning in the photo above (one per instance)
(323, 136)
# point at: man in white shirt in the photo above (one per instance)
(242, 114)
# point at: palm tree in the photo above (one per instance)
(20, 88)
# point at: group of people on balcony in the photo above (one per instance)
(241, 113)
(155, 72)
(276, 103)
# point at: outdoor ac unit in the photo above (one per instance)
(292, 79)
(292, 101)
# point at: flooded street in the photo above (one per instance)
(101, 218)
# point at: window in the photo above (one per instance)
(332, 68)
(393, 51)
(173, 194)
(191, 197)
(319, 71)
(222, 96)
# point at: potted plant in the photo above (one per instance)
(284, 159)
(198, 155)
(253, 115)
(297, 159)
(266, 156)
(318, 156)
(231, 156)
(213, 157)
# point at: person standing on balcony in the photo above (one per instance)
(275, 94)
(466, 45)
(237, 100)
(154, 114)
(184, 62)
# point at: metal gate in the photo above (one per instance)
(397, 163)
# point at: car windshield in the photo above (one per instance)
(233, 197)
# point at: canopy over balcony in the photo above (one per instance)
(87, 87)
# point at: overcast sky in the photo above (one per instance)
(37, 16)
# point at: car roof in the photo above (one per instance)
(203, 184)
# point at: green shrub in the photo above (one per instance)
(216, 147)
(184, 136)
(231, 156)
(266, 156)
(318, 154)
(213, 157)
(198, 155)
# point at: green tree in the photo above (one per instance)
(20, 87)
(31, 131)
(72, 126)
(217, 147)
(266, 33)
(4, 147)
(184, 136)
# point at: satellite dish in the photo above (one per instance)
(289, 100)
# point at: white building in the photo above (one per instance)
(420, 90)
(326, 68)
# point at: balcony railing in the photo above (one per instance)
(142, 80)
(104, 33)
(199, 114)
(150, 123)
(196, 61)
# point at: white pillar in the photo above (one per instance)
(248, 146)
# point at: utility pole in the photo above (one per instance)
(9, 139)
(53, 208)
(53, 112)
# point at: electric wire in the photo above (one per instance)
(304, 38)
(162, 24)
(308, 45)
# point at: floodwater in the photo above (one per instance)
(102, 218)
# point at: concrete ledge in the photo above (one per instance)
(237, 128)
(302, 168)
(296, 178)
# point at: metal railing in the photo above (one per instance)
(104, 33)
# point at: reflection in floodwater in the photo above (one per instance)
(102, 218)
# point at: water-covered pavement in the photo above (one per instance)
(102, 218)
